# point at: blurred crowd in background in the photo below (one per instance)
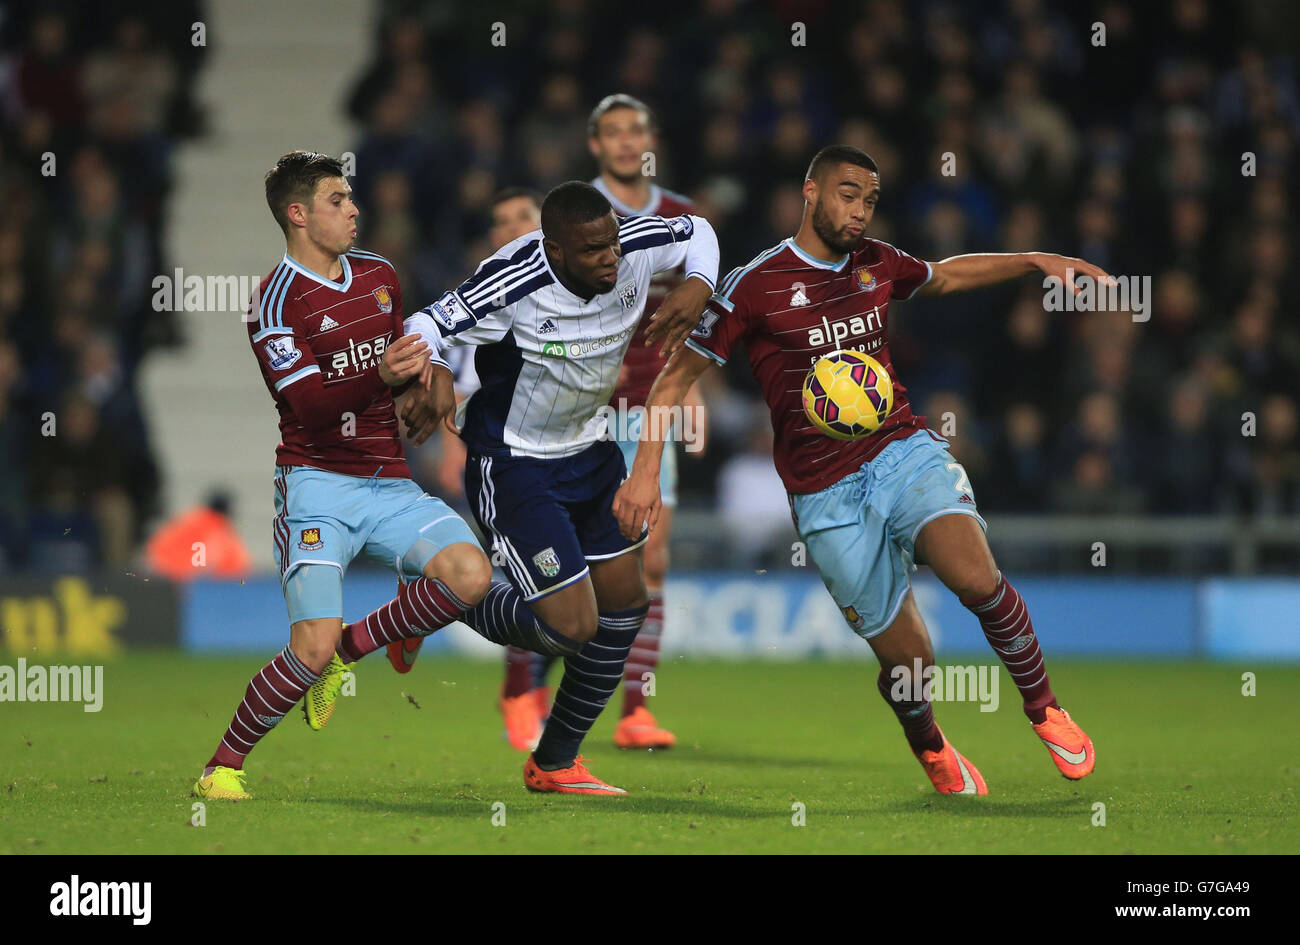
(1128, 154)
(93, 99)
(1167, 152)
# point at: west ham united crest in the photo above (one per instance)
(866, 278)
(384, 299)
(310, 539)
(547, 561)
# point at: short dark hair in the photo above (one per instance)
(294, 179)
(572, 203)
(611, 102)
(834, 155)
(513, 193)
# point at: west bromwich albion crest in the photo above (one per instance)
(384, 299)
(547, 561)
(627, 297)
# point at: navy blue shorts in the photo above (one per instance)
(548, 518)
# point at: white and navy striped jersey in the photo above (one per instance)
(547, 359)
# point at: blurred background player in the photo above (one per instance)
(174, 549)
(621, 136)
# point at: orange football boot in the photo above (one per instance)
(575, 779)
(950, 772)
(523, 722)
(640, 730)
(402, 653)
(1070, 746)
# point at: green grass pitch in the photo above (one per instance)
(1186, 763)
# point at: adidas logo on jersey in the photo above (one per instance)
(798, 298)
(327, 323)
(547, 327)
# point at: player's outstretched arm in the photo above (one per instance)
(977, 270)
(638, 500)
(694, 403)
(698, 254)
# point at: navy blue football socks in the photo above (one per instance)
(504, 617)
(591, 676)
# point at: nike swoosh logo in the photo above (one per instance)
(1073, 757)
(587, 785)
(967, 782)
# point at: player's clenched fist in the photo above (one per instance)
(637, 502)
(404, 359)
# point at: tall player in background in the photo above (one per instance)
(621, 135)
(869, 508)
(327, 317)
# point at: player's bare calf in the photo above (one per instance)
(903, 646)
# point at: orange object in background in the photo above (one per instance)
(220, 552)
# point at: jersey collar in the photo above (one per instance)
(328, 283)
(813, 260)
(622, 209)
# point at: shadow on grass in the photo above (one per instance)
(704, 808)
(722, 757)
(957, 806)
(693, 806)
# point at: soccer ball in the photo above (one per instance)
(847, 395)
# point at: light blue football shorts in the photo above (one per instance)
(328, 518)
(861, 532)
(667, 463)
